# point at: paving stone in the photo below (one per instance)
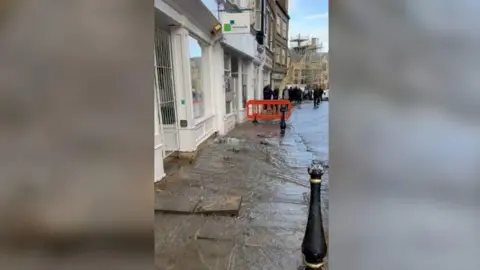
(269, 228)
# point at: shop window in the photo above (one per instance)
(244, 84)
(164, 84)
(196, 77)
(228, 83)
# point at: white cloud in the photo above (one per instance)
(317, 16)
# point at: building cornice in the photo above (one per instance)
(284, 11)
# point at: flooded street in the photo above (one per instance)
(270, 173)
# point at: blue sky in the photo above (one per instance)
(195, 50)
(307, 18)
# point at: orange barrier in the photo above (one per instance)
(267, 109)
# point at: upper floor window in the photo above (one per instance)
(279, 25)
(284, 29)
(277, 54)
(196, 76)
(282, 56)
(267, 29)
(258, 15)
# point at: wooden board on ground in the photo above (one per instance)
(220, 205)
(175, 204)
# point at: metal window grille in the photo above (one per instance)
(164, 87)
(164, 78)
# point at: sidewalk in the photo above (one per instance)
(268, 231)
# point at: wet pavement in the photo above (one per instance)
(270, 173)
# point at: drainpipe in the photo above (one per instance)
(271, 77)
(262, 25)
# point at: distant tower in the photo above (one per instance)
(302, 51)
(299, 45)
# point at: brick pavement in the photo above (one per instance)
(268, 232)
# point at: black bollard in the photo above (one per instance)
(283, 123)
(255, 121)
(314, 245)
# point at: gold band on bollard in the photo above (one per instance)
(313, 265)
(315, 181)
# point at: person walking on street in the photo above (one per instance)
(267, 95)
(316, 92)
(320, 98)
(317, 96)
(276, 93)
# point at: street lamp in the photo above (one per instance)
(314, 245)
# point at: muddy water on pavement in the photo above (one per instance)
(305, 140)
(270, 172)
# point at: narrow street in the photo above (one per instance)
(270, 173)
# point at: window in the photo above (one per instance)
(244, 83)
(258, 15)
(279, 27)
(227, 78)
(282, 57)
(285, 56)
(284, 29)
(196, 77)
(267, 29)
(272, 33)
(277, 54)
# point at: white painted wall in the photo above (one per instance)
(199, 129)
(244, 43)
(219, 90)
(212, 64)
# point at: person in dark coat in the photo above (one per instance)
(267, 95)
(294, 94)
(321, 94)
(297, 97)
(317, 96)
(276, 94)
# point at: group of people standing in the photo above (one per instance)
(294, 94)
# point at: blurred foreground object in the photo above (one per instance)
(404, 135)
(76, 116)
